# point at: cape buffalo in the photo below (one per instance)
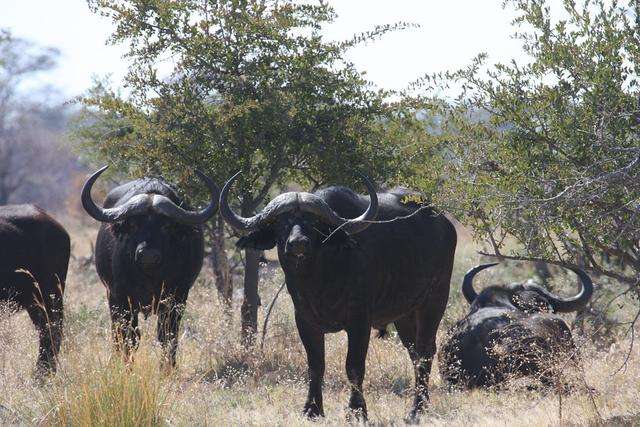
(34, 256)
(149, 252)
(352, 275)
(511, 331)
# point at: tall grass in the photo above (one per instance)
(110, 394)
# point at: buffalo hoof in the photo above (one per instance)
(312, 411)
(43, 372)
(41, 377)
(414, 417)
(357, 415)
(357, 408)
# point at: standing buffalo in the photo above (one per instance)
(149, 252)
(353, 275)
(511, 331)
(34, 256)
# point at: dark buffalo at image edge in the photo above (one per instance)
(34, 258)
(149, 251)
(364, 276)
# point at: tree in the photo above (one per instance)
(548, 151)
(19, 151)
(247, 85)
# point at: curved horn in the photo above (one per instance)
(356, 225)
(566, 305)
(141, 203)
(308, 201)
(89, 205)
(136, 205)
(467, 284)
(165, 206)
(236, 221)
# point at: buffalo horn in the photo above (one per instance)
(297, 200)
(574, 303)
(467, 284)
(143, 203)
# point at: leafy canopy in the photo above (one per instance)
(247, 85)
(548, 151)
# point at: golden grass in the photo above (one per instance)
(109, 394)
(219, 383)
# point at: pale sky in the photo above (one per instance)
(452, 32)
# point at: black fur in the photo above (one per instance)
(389, 273)
(32, 241)
(510, 332)
(134, 286)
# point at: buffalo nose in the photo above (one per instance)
(148, 256)
(298, 247)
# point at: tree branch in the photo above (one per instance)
(595, 270)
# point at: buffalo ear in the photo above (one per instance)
(260, 240)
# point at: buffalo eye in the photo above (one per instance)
(167, 227)
(284, 227)
(132, 224)
(124, 227)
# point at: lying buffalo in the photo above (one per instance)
(511, 331)
(149, 252)
(34, 256)
(353, 275)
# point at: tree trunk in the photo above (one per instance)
(251, 300)
(220, 265)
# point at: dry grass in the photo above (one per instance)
(109, 394)
(219, 383)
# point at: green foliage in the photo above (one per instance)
(547, 151)
(245, 85)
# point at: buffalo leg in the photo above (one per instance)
(358, 336)
(47, 316)
(124, 328)
(427, 321)
(313, 342)
(406, 328)
(169, 317)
